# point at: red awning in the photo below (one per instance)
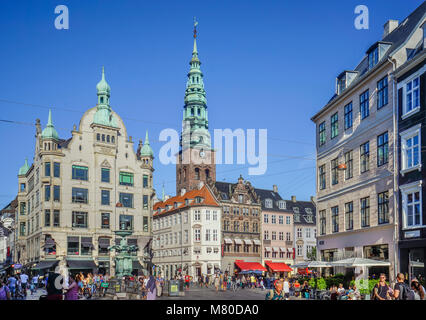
(278, 266)
(249, 266)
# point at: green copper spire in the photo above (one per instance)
(103, 113)
(49, 132)
(195, 128)
(24, 169)
(146, 150)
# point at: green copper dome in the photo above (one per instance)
(146, 150)
(49, 132)
(24, 169)
(103, 113)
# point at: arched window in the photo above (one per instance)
(113, 139)
(102, 99)
(197, 174)
(107, 138)
(184, 174)
(98, 137)
(103, 138)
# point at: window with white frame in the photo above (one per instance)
(412, 204)
(299, 232)
(197, 235)
(207, 215)
(411, 143)
(281, 204)
(214, 235)
(308, 232)
(266, 218)
(281, 219)
(208, 235)
(197, 215)
(412, 95)
(299, 250)
(288, 220)
(268, 203)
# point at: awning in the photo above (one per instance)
(238, 241)
(81, 264)
(268, 249)
(209, 265)
(249, 266)
(103, 243)
(73, 239)
(290, 250)
(275, 249)
(49, 243)
(86, 242)
(257, 242)
(46, 264)
(283, 249)
(248, 242)
(278, 266)
(360, 262)
(136, 265)
(227, 240)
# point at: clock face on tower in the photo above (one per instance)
(202, 154)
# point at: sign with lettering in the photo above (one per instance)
(412, 234)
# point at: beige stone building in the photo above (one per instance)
(355, 152)
(78, 191)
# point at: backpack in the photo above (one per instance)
(407, 293)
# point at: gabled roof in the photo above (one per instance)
(204, 193)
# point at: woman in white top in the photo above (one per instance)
(419, 290)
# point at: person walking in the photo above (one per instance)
(72, 290)
(401, 290)
(216, 282)
(381, 290)
(286, 288)
(419, 290)
(24, 282)
(12, 285)
(151, 288)
(4, 290)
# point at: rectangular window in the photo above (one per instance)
(334, 171)
(145, 201)
(323, 222)
(79, 195)
(382, 92)
(56, 193)
(73, 246)
(22, 187)
(321, 172)
(266, 235)
(197, 235)
(412, 95)
(410, 149)
(373, 57)
(47, 169)
(349, 161)
(47, 218)
(105, 197)
(365, 212)
(335, 218)
(365, 157)
(145, 224)
(348, 116)
(56, 218)
(288, 220)
(105, 220)
(86, 246)
(80, 173)
(383, 207)
(56, 169)
(274, 219)
(126, 199)
(22, 208)
(266, 218)
(145, 181)
(299, 250)
(364, 105)
(281, 219)
(281, 236)
(322, 133)
(22, 229)
(412, 207)
(382, 149)
(47, 192)
(208, 235)
(126, 179)
(236, 226)
(334, 125)
(274, 235)
(126, 222)
(299, 233)
(349, 215)
(79, 219)
(105, 175)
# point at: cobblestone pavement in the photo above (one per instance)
(197, 293)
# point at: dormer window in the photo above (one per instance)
(175, 204)
(376, 53)
(308, 210)
(296, 210)
(268, 203)
(344, 80)
(282, 204)
(186, 202)
(198, 199)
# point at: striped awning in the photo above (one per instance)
(283, 249)
(257, 242)
(227, 240)
(275, 249)
(290, 250)
(248, 242)
(268, 249)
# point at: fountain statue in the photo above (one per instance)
(123, 255)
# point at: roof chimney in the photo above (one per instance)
(389, 26)
(275, 188)
(293, 198)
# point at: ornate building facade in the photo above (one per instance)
(78, 191)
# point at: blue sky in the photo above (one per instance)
(266, 64)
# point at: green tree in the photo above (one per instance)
(312, 255)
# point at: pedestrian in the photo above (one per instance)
(24, 282)
(187, 280)
(243, 281)
(12, 285)
(4, 290)
(151, 288)
(54, 290)
(34, 283)
(286, 288)
(381, 289)
(419, 290)
(277, 293)
(253, 281)
(401, 290)
(72, 289)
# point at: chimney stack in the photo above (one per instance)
(293, 198)
(275, 188)
(389, 26)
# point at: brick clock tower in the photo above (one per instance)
(195, 162)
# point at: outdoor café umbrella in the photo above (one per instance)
(312, 264)
(359, 262)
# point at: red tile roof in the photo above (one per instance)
(204, 193)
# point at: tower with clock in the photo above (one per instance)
(195, 161)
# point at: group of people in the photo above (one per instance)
(400, 291)
(16, 286)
